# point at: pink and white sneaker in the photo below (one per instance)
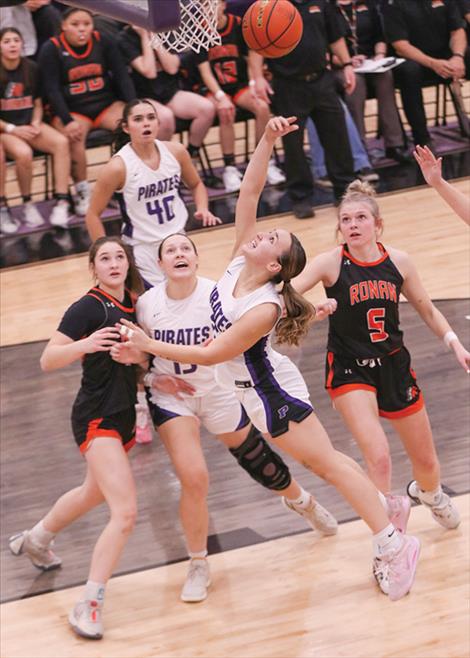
(401, 567)
(143, 431)
(398, 509)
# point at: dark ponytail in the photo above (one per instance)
(120, 137)
(299, 313)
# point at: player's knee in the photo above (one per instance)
(380, 463)
(125, 517)
(24, 156)
(261, 463)
(195, 481)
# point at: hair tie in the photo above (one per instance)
(287, 282)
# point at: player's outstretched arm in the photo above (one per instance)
(431, 168)
(255, 178)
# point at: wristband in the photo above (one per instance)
(343, 66)
(252, 83)
(458, 55)
(219, 95)
(9, 128)
(449, 337)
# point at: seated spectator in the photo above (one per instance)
(155, 73)
(364, 38)
(37, 20)
(84, 76)
(23, 130)
(138, 53)
(223, 71)
(431, 37)
(46, 19)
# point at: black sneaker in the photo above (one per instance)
(399, 154)
(303, 210)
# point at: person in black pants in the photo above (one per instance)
(431, 37)
(304, 87)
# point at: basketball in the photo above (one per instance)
(272, 28)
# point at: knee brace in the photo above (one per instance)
(261, 463)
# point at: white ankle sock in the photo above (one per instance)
(200, 555)
(94, 591)
(39, 535)
(303, 501)
(387, 539)
(432, 498)
(141, 398)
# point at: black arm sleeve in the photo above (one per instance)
(115, 64)
(49, 65)
(82, 318)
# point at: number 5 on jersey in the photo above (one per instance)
(376, 324)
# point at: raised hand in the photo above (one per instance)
(431, 167)
(280, 126)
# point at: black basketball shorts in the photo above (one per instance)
(391, 378)
(120, 425)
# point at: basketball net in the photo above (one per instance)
(197, 30)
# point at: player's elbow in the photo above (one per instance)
(45, 363)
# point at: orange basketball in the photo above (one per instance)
(272, 27)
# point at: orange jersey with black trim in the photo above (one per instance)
(366, 323)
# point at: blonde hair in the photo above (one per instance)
(361, 192)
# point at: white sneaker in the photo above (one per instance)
(8, 224)
(31, 215)
(60, 214)
(82, 201)
(396, 570)
(232, 179)
(317, 516)
(85, 619)
(41, 556)
(444, 511)
(197, 581)
(275, 175)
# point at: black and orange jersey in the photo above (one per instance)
(366, 323)
(84, 76)
(228, 61)
(19, 88)
(107, 386)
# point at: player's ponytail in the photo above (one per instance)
(299, 313)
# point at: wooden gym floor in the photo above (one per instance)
(278, 590)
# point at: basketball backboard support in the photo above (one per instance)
(153, 15)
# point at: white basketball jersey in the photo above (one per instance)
(251, 366)
(180, 322)
(150, 202)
